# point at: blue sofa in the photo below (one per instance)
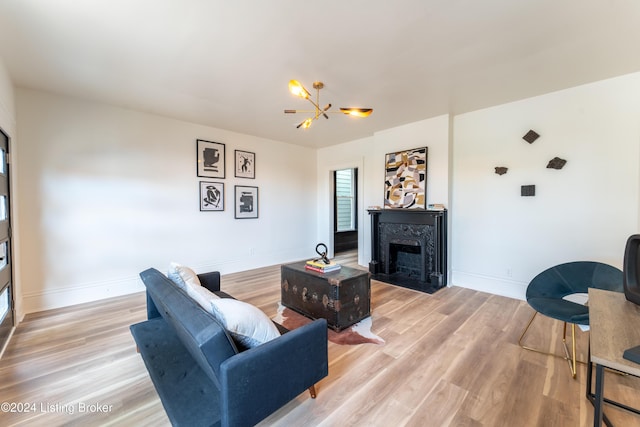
(201, 376)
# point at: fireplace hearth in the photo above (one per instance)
(408, 248)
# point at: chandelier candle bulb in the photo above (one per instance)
(298, 90)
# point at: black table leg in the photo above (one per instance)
(589, 384)
(597, 402)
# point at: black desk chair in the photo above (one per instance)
(547, 291)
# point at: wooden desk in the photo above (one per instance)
(615, 326)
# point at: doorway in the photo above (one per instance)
(7, 310)
(345, 215)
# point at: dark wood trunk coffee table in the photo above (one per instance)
(342, 297)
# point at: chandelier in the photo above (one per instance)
(297, 89)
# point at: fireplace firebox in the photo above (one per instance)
(407, 260)
(409, 247)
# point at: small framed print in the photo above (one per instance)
(211, 196)
(245, 164)
(210, 159)
(246, 202)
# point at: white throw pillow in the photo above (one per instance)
(186, 279)
(182, 276)
(246, 323)
(202, 296)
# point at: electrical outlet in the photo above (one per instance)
(509, 272)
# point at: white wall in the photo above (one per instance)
(368, 155)
(585, 211)
(499, 240)
(108, 192)
(7, 104)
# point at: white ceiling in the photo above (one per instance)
(227, 64)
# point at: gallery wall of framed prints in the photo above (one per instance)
(210, 163)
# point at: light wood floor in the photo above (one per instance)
(450, 359)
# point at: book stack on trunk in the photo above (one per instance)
(321, 267)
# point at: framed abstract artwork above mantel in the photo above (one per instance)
(405, 180)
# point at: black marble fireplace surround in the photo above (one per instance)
(409, 248)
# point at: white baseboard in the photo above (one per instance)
(79, 294)
(492, 285)
(56, 298)
(94, 291)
